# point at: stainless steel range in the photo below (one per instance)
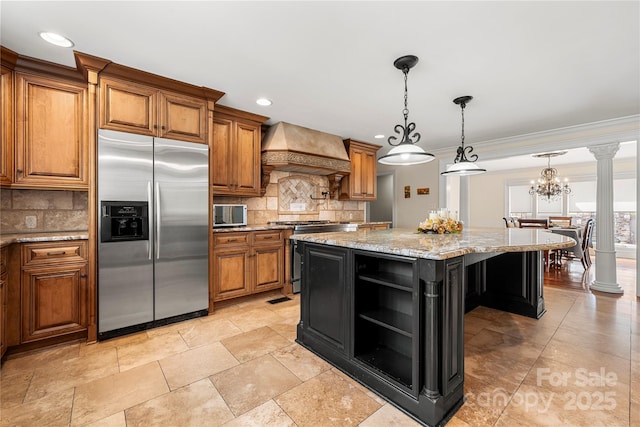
(305, 227)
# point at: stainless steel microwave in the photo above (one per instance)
(229, 215)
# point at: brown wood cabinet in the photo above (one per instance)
(133, 107)
(361, 183)
(54, 289)
(268, 263)
(247, 262)
(231, 269)
(4, 285)
(366, 226)
(6, 127)
(235, 159)
(51, 133)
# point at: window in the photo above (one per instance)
(520, 201)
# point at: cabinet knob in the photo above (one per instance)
(164, 127)
(155, 126)
(83, 276)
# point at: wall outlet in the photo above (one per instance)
(31, 221)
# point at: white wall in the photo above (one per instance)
(487, 191)
(410, 212)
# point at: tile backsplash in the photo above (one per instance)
(288, 198)
(28, 211)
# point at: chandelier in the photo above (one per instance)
(461, 164)
(405, 152)
(548, 185)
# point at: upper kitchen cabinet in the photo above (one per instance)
(137, 108)
(361, 183)
(235, 160)
(44, 125)
(51, 133)
(6, 128)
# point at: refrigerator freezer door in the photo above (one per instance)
(182, 216)
(125, 269)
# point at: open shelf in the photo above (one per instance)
(390, 271)
(393, 320)
(390, 363)
(386, 318)
(393, 280)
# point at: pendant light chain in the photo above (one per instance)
(462, 138)
(405, 112)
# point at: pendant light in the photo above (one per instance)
(405, 152)
(461, 164)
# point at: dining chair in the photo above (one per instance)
(560, 221)
(537, 223)
(509, 222)
(533, 223)
(586, 243)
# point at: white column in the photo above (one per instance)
(637, 220)
(605, 249)
(464, 201)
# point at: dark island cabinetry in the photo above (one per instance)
(393, 323)
(325, 312)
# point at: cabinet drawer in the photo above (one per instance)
(54, 252)
(230, 239)
(270, 236)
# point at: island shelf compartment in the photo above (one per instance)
(385, 307)
(388, 353)
(395, 272)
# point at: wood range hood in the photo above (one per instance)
(298, 149)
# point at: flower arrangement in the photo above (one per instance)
(441, 223)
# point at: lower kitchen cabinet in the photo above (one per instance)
(54, 289)
(268, 265)
(231, 275)
(373, 226)
(247, 262)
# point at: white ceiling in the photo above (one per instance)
(530, 66)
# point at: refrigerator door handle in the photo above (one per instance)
(149, 199)
(158, 219)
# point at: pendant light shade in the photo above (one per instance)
(405, 152)
(463, 166)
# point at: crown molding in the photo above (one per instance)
(602, 132)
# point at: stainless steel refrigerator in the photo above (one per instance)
(153, 231)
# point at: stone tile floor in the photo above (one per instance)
(578, 365)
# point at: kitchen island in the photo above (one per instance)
(387, 306)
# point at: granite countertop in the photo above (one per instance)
(409, 242)
(7, 239)
(253, 227)
(258, 227)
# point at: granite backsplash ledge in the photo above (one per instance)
(33, 211)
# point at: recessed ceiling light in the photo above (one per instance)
(263, 101)
(56, 39)
(379, 136)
